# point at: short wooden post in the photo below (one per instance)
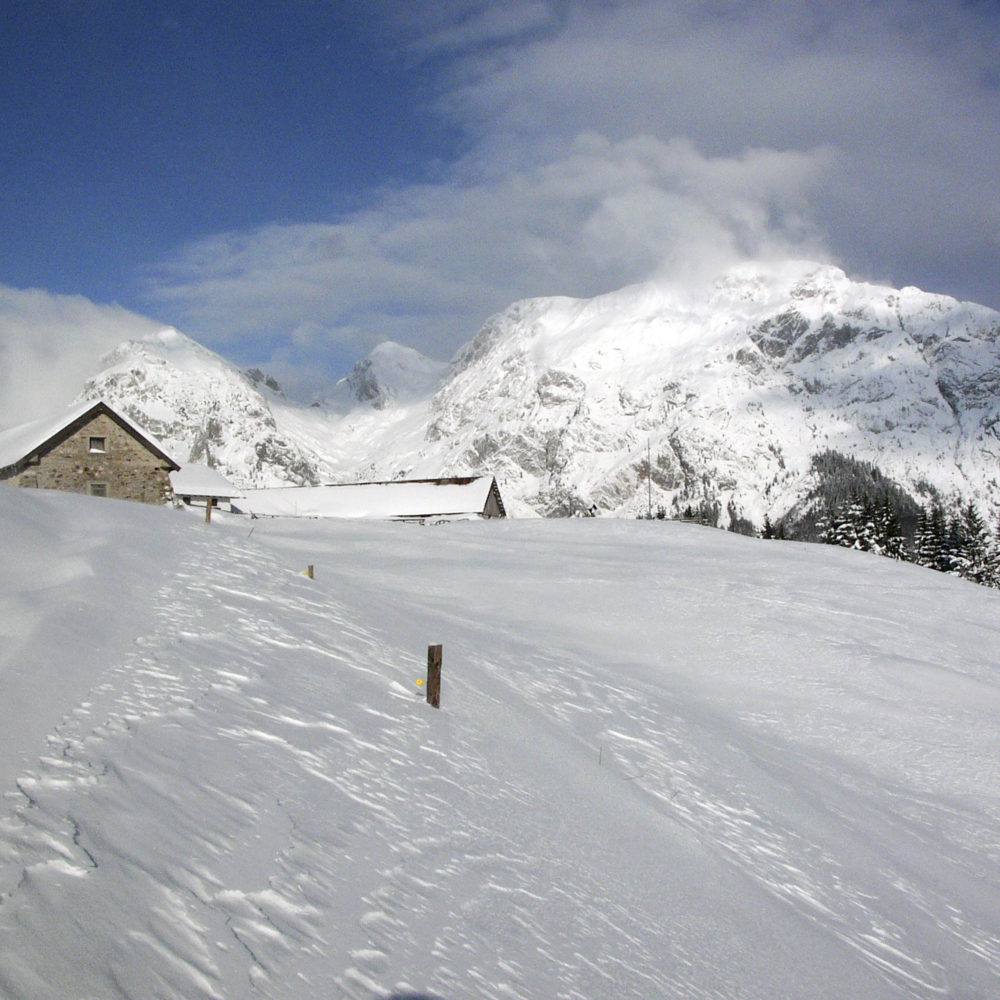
(309, 571)
(434, 676)
(208, 510)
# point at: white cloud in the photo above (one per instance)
(430, 263)
(50, 344)
(604, 142)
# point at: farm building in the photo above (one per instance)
(89, 448)
(398, 500)
(199, 485)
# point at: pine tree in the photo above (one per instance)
(866, 528)
(849, 524)
(825, 526)
(889, 535)
(939, 539)
(951, 546)
(972, 554)
(925, 545)
(993, 579)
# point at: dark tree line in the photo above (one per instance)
(843, 481)
(853, 504)
(956, 541)
(861, 508)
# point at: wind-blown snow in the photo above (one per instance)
(669, 762)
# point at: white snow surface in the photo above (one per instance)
(200, 480)
(733, 389)
(670, 762)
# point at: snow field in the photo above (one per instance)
(669, 762)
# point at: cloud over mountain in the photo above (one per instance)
(601, 144)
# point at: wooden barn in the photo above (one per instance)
(90, 448)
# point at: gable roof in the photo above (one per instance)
(19, 443)
(400, 499)
(201, 481)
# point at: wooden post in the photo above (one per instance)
(309, 571)
(434, 676)
(208, 510)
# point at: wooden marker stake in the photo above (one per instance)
(434, 676)
(309, 571)
(208, 510)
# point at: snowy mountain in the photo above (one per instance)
(204, 409)
(669, 763)
(391, 372)
(730, 389)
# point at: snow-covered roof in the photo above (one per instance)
(201, 481)
(17, 443)
(401, 499)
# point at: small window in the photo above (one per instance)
(98, 489)
(97, 445)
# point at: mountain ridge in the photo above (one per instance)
(731, 388)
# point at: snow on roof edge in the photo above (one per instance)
(17, 443)
(200, 480)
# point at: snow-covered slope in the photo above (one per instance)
(374, 422)
(670, 762)
(206, 410)
(732, 390)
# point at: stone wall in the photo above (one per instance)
(125, 468)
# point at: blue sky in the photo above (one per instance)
(290, 183)
(132, 128)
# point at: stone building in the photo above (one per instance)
(90, 448)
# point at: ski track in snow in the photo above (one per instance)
(306, 856)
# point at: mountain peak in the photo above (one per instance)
(392, 372)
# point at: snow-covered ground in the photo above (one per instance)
(669, 762)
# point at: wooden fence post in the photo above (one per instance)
(309, 571)
(434, 676)
(208, 510)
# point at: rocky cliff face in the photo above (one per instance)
(389, 374)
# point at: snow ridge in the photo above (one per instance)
(203, 409)
(732, 391)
